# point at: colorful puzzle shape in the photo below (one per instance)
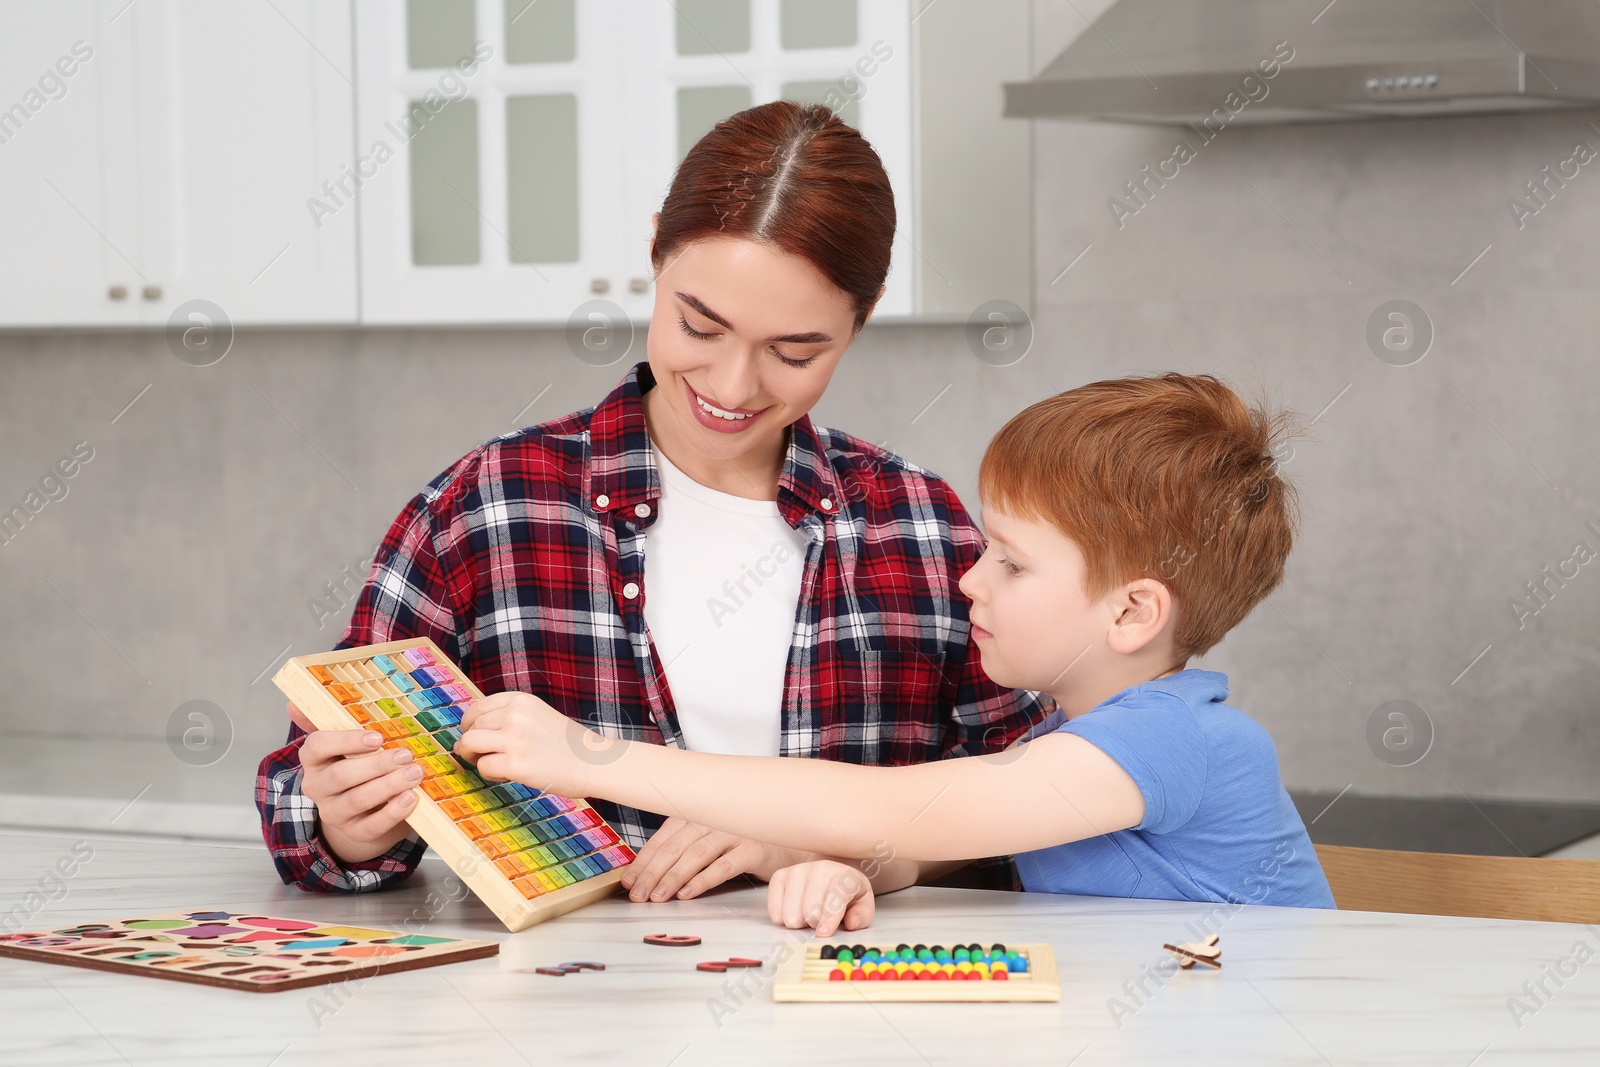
(257, 953)
(528, 855)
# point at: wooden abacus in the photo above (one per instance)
(529, 856)
(918, 973)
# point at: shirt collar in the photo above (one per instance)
(621, 471)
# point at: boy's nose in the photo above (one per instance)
(966, 584)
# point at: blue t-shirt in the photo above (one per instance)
(1218, 825)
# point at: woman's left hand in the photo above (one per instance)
(684, 859)
(518, 737)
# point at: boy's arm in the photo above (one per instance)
(1056, 789)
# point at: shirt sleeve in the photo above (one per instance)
(1156, 739)
(408, 594)
(289, 827)
(984, 717)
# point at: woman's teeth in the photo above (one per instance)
(719, 413)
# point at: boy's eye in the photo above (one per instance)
(1010, 567)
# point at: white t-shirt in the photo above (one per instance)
(722, 579)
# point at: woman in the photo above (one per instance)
(802, 583)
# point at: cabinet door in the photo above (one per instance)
(702, 60)
(247, 120)
(491, 131)
(68, 128)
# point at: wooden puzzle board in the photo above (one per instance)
(529, 856)
(256, 953)
(804, 978)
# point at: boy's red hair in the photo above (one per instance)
(1170, 477)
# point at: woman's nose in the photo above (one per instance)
(736, 381)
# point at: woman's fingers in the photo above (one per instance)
(658, 855)
(705, 863)
(330, 747)
(392, 778)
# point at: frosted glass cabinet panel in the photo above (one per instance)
(541, 31)
(817, 23)
(439, 32)
(712, 27)
(542, 178)
(444, 184)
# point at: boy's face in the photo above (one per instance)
(1029, 615)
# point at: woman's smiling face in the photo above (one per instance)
(743, 341)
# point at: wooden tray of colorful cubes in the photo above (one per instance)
(904, 972)
(528, 855)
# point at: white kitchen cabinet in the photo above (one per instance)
(177, 163)
(247, 118)
(467, 161)
(70, 229)
(521, 190)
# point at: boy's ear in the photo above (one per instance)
(1141, 611)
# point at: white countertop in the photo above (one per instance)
(1298, 987)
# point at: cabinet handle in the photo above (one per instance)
(118, 292)
(152, 292)
(640, 285)
(600, 285)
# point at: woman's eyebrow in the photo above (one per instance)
(814, 337)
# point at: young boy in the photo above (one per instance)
(1132, 524)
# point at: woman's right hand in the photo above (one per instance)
(363, 792)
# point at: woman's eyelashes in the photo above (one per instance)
(691, 331)
(683, 324)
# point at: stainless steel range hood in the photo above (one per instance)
(1171, 62)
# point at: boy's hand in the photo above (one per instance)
(518, 737)
(684, 859)
(820, 894)
(362, 791)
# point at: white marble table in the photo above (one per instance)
(1299, 987)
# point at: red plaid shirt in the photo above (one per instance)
(518, 561)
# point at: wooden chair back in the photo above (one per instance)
(1438, 883)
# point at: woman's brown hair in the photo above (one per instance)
(793, 175)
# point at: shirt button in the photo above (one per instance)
(642, 510)
(602, 501)
(827, 504)
(630, 591)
